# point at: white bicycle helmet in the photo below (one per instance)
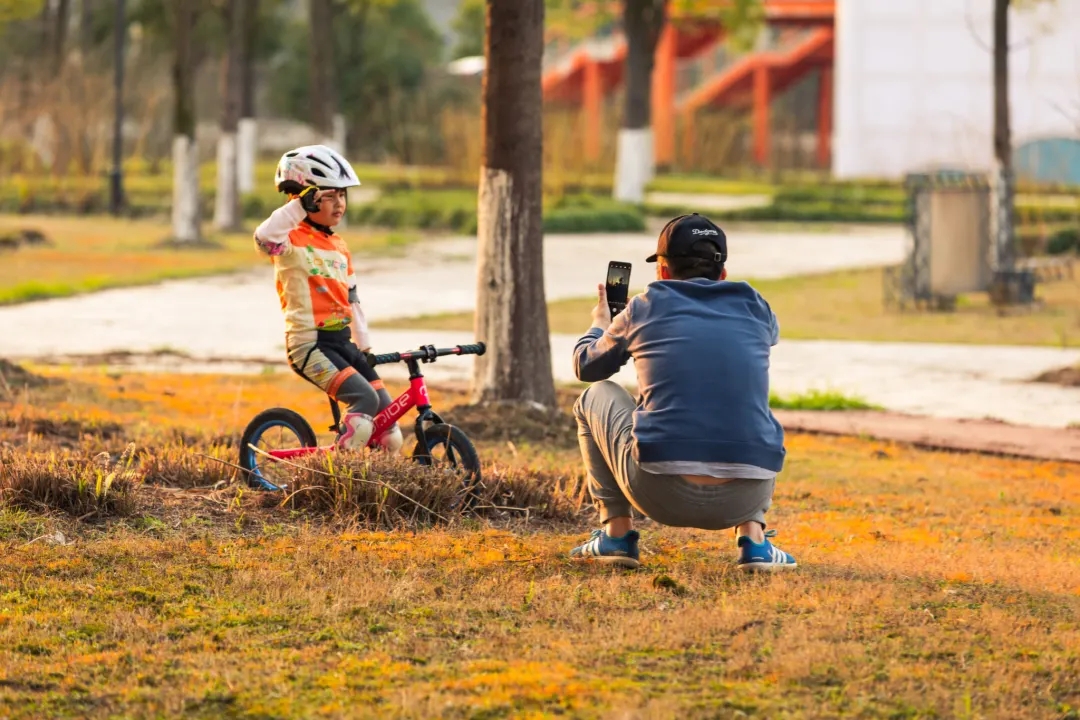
(316, 165)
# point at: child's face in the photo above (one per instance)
(332, 205)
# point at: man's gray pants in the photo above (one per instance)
(604, 415)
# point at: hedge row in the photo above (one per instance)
(850, 211)
(1064, 241)
(455, 211)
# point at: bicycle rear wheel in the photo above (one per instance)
(273, 429)
(449, 447)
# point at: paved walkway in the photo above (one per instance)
(238, 317)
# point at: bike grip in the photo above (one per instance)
(474, 349)
(387, 358)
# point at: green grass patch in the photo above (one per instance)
(89, 254)
(822, 400)
(709, 185)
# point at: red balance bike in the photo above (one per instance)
(282, 434)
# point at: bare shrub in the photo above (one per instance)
(72, 482)
(388, 492)
(181, 465)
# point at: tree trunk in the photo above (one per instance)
(227, 200)
(643, 21)
(185, 214)
(247, 128)
(511, 313)
(86, 26)
(323, 97)
(59, 35)
(44, 71)
(120, 35)
(1002, 137)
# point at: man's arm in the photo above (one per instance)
(600, 353)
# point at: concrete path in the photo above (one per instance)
(237, 317)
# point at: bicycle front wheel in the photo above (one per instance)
(273, 429)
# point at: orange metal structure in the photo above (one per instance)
(586, 76)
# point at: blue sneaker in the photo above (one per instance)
(622, 551)
(764, 557)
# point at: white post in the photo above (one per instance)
(246, 153)
(226, 202)
(185, 210)
(635, 164)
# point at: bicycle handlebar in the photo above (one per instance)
(428, 353)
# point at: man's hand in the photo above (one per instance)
(601, 314)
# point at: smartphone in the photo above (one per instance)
(618, 286)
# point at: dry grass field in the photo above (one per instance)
(930, 584)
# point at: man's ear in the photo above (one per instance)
(665, 272)
(723, 274)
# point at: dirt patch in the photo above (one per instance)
(16, 377)
(172, 243)
(150, 359)
(517, 423)
(65, 429)
(990, 437)
(19, 238)
(1067, 376)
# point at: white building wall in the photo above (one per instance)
(914, 82)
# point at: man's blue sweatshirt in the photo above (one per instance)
(701, 352)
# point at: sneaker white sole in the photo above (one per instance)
(626, 562)
(766, 567)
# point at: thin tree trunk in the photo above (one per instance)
(1002, 136)
(185, 215)
(59, 36)
(323, 97)
(511, 313)
(247, 127)
(86, 26)
(48, 29)
(227, 199)
(643, 21)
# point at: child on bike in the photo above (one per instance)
(326, 334)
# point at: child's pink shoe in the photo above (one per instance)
(356, 431)
(391, 440)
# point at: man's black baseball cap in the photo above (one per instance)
(691, 236)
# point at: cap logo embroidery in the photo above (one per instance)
(707, 231)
